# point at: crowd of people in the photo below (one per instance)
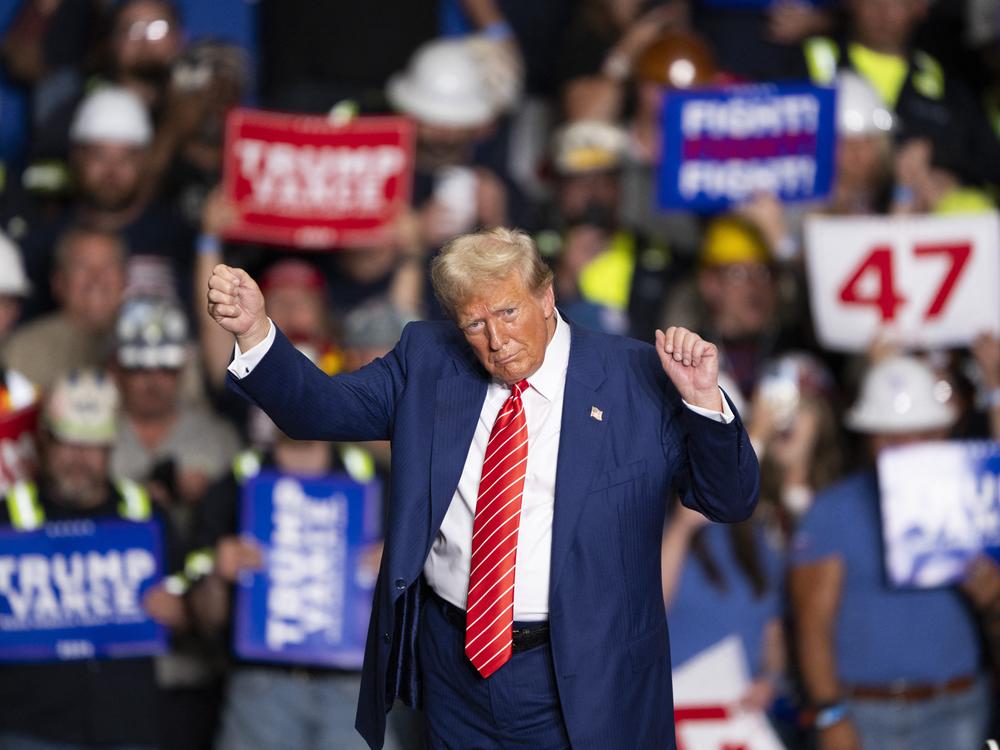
(538, 115)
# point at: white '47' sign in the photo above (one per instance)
(928, 281)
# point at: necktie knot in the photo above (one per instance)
(519, 387)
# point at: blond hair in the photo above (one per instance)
(469, 260)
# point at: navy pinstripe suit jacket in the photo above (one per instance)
(614, 478)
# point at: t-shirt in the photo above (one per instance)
(883, 634)
(702, 613)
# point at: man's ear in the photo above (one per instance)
(549, 301)
(57, 282)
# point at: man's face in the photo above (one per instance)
(508, 327)
(885, 25)
(144, 43)
(590, 198)
(862, 161)
(149, 394)
(107, 173)
(879, 442)
(298, 312)
(740, 296)
(440, 145)
(10, 309)
(77, 473)
(90, 283)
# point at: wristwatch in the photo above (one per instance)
(829, 714)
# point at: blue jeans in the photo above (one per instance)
(949, 722)
(270, 709)
(18, 741)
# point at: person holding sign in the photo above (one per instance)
(79, 700)
(885, 667)
(494, 595)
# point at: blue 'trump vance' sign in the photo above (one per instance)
(312, 601)
(74, 589)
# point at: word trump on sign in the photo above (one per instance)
(312, 600)
(722, 146)
(924, 281)
(75, 588)
(308, 182)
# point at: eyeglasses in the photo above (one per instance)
(741, 273)
(150, 31)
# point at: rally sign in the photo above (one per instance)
(707, 690)
(927, 281)
(17, 445)
(724, 145)
(74, 590)
(940, 508)
(307, 181)
(311, 602)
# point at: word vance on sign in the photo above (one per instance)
(312, 601)
(724, 145)
(307, 182)
(74, 589)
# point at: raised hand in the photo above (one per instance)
(692, 364)
(235, 302)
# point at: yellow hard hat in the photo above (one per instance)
(732, 239)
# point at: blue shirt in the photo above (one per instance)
(883, 634)
(702, 614)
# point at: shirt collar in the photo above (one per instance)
(552, 374)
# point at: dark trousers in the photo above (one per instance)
(516, 707)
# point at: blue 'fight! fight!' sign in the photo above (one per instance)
(722, 146)
(74, 589)
(312, 601)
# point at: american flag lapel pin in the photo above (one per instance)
(596, 413)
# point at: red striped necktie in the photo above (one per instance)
(490, 608)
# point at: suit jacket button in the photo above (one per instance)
(400, 584)
(386, 637)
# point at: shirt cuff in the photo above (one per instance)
(725, 416)
(244, 362)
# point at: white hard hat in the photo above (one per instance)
(113, 113)
(83, 409)
(443, 85)
(13, 280)
(860, 110)
(588, 146)
(901, 394)
(151, 334)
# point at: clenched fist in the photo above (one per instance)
(235, 302)
(692, 364)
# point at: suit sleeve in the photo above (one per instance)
(718, 473)
(307, 404)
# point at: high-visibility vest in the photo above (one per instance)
(358, 463)
(824, 57)
(27, 514)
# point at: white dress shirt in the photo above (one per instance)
(447, 565)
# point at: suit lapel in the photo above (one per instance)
(581, 440)
(458, 403)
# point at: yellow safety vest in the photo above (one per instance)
(27, 514)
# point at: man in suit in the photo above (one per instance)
(532, 463)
